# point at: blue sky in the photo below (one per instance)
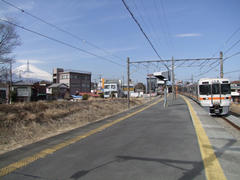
(179, 28)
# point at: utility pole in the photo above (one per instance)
(150, 87)
(173, 80)
(10, 84)
(122, 81)
(128, 79)
(221, 64)
(165, 94)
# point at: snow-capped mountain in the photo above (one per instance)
(31, 72)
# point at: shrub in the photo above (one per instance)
(85, 97)
(102, 95)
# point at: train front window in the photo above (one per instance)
(225, 89)
(205, 89)
(215, 89)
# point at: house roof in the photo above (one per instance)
(22, 83)
(56, 85)
(75, 71)
(235, 82)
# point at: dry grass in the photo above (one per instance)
(25, 123)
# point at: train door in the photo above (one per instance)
(216, 98)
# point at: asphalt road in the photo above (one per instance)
(156, 143)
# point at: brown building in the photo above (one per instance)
(77, 81)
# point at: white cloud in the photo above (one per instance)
(31, 61)
(189, 35)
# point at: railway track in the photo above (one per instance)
(232, 120)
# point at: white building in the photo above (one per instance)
(111, 89)
(125, 89)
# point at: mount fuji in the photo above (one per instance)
(30, 72)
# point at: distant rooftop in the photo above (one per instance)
(22, 83)
(57, 85)
(235, 82)
(76, 71)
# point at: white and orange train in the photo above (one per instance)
(213, 94)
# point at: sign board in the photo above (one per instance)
(23, 92)
(130, 89)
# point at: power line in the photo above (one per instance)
(229, 72)
(235, 54)
(176, 60)
(155, 36)
(232, 46)
(229, 38)
(61, 42)
(60, 29)
(141, 29)
(166, 24)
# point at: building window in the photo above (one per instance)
(65, 76)
(113, 87)
(74, 77)
(107, 87)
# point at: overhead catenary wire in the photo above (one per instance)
(166, 24)
(147, 23)
(235, 54)
(154, 35)
(229, 72)
(60, 29)
(61, 42)
(141, 29)
(238, 41)
(228, 40)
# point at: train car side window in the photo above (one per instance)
(225, 89)
(215, 89)
(205, 89)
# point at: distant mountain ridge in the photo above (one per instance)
(30, 73)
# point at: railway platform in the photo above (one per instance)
(224, 139)
(180, 142)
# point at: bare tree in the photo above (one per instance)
(9, 39)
